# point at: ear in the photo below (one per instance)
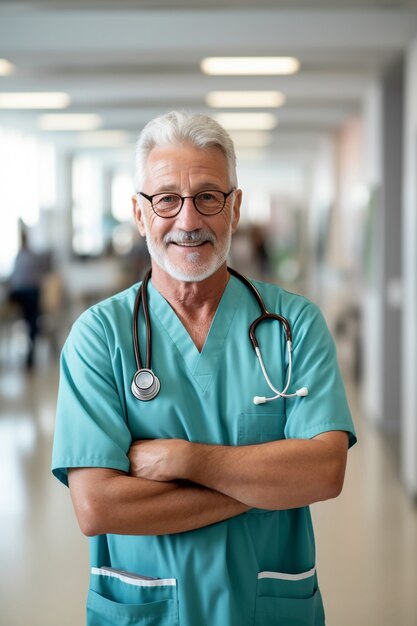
(236, 209)
(137, 216)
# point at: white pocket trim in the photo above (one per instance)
(133, 580)
(283, 576)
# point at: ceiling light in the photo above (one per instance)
(34, 100)
(70, 121)
(250, 121)
(242, 99)
(250, 154)
(250, 65)
(6, 68)
(250, 138)
(104, 138)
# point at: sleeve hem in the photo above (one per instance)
(325, 428)
(60, 470)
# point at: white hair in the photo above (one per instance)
(178, 127)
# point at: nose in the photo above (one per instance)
(188, 218)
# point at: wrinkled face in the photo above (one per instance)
(190, 246)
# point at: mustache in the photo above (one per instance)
(198, 236)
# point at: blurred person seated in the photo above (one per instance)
(25, 284)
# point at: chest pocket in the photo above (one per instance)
(260, 427)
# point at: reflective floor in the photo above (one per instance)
(366, 539)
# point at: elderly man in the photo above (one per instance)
(194, 497)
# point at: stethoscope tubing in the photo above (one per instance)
(265, 314)
(142, 295)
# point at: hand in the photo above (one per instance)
(159, 459)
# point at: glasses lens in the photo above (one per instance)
(210, 202)
(166, 204)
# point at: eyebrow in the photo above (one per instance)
(174, 188)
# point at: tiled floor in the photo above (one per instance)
(367, 538)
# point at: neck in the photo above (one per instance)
(191, 295)
(195, 303)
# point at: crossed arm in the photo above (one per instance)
(175, 485)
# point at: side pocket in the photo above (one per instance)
(129, 600)
(290, 599)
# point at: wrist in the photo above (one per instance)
(198, 458)
(193, 458)
(186, 456)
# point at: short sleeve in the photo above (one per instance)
(315, 366)
(91, 428)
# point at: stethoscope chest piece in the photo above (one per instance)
(145, 385)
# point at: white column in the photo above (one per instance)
(62, 219)
(371, 302)
(409, 337)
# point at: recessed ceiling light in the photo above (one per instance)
(246, 153)
(250, 65)
(34, 100)
(245, 99)
(104, 138)
(6, 68)
(241, 121)
(250, 138)
(69, 121)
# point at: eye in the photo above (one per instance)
(209, 197)
(167, 199)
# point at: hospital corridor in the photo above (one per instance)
(320, 101)
(366, 538)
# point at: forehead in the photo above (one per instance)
(185, 165)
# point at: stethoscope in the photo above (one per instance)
(146, 385)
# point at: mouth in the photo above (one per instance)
(190, 239)
(193, 244)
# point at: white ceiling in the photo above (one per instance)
(130, 60)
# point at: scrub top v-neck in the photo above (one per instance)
(200, 364)
(255, 569)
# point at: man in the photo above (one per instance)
(25, 285)
(196, 501)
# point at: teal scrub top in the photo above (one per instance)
(257, 568)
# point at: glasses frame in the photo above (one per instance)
(183, 198)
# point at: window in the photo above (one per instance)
(87, 212)
(27, 184)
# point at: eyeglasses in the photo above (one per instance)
(209, 202)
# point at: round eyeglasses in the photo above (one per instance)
(208, 202)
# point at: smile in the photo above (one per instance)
(190, 239)
(193, 244)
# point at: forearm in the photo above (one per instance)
(278, 475)
(106, 501)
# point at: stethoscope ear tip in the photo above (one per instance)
(299, 393)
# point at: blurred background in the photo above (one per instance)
(326, 140)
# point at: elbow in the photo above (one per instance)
(334, 489)
(91, 501)
(333, 480)
(90, 514)
(332, 463)
(89, 518)
(89, 528)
